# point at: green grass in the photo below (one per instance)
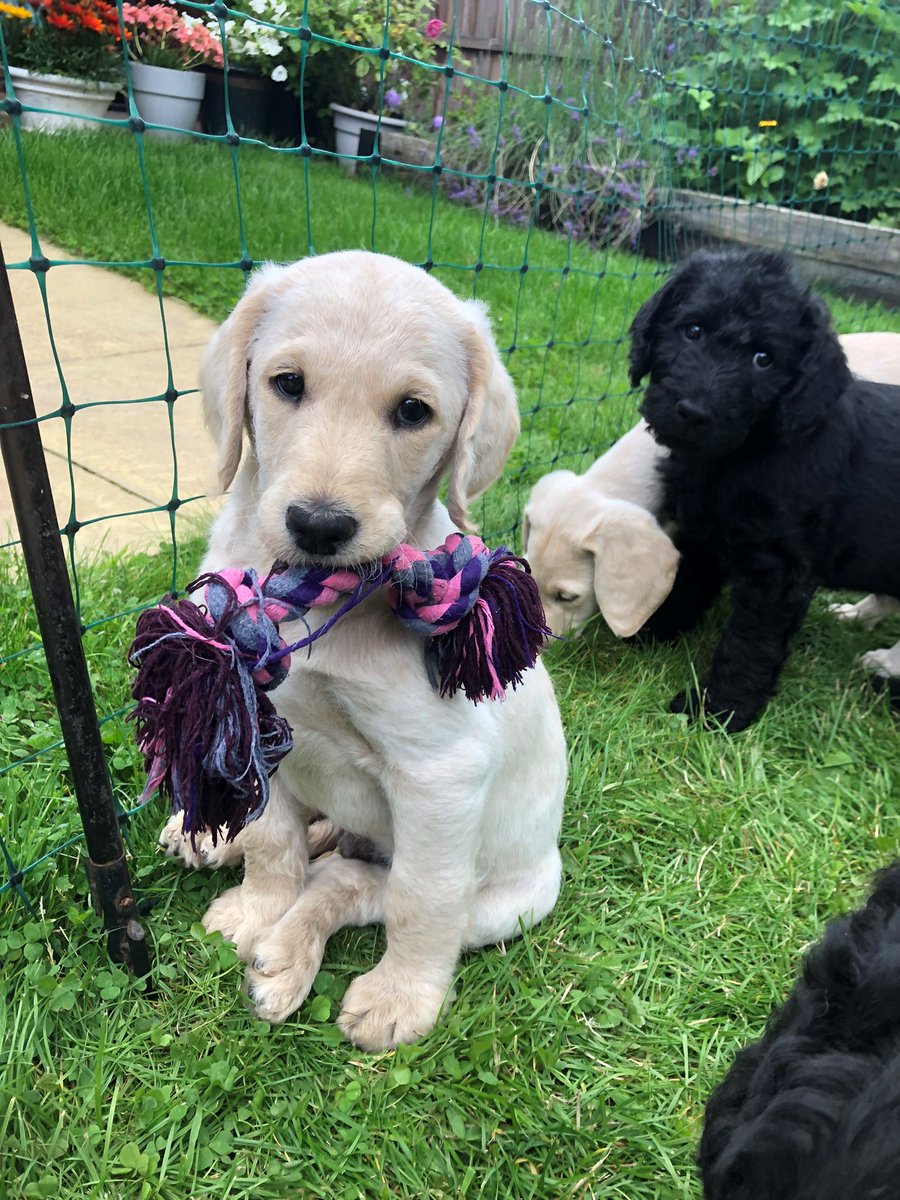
(574, 1062)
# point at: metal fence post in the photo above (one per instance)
(29, 486)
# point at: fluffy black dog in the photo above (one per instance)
(784, 473)
(812, 1111)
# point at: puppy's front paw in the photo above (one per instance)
(175, 843)
(282, 973)
(241, 916)
(885, 663)
(690, 702)
(717, 713)
(379, 1013)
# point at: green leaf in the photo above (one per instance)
(320, 1008)
(131, 1157)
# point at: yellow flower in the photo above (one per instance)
(820, 181)
(14, 10)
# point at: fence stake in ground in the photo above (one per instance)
(29, 486)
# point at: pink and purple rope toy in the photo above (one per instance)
(209, 733)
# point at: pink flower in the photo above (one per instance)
(434, 28)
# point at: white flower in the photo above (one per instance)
(259, 6)
(820, 181)
(269, 45)
(280, 73)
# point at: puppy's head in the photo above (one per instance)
(361, 382)
(590, 552)
(735, 346)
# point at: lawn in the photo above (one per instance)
(575, 1061)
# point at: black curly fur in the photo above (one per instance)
(781, 478)
(812, 1111)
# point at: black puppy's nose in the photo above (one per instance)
(319, 529)
(692, 412)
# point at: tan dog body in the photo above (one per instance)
(874, 356)
(466, 798)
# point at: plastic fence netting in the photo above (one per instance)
(547, 158)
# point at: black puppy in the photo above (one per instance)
(784, 472)
(812, 1111)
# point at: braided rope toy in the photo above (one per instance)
(210, 735)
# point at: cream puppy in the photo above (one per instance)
(874, 356)
(341, 392)
(594, 544)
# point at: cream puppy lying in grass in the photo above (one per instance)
(594, 544)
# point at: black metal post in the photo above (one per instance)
(29, 485)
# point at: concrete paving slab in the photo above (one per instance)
(109, 337)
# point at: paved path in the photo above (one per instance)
(108, 334)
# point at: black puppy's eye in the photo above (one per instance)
(693, 331)
(762, 361)
(410, 413)
(290, 385)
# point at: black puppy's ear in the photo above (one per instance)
(822, 373)
(640, 356)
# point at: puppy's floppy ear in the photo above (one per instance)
(223, 372)
(822, 372)
(490, 421)
(640, 356)
(634, 564)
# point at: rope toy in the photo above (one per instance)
(210, 735)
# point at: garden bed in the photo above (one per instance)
(864, 259)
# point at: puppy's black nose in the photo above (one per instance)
(319, 529)
(692, 413)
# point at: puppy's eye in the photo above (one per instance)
(692, 331)
(762, 361)
(410, 413)
(290, 385)
(565, 598)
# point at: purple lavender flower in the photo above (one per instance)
(501, 140)
(633, 98)
(692, 152)
(670, 49)
(474, 139)
(437, 122)
(713, 172)
(516, 133)
(575, 115)
(392, 98)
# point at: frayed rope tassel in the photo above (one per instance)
(210, 735)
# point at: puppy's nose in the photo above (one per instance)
(319, 529)
(692, 412)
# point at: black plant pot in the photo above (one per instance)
(259, 107)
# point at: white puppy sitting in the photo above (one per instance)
(346, 388)
(594, 544)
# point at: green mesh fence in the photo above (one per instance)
(554, 159)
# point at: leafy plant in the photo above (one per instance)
(75, 38)
(790, 104)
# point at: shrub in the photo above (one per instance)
(826, 73)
